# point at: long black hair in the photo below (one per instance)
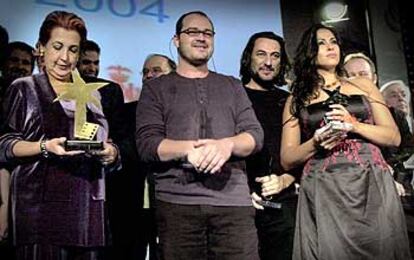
(246, 59)
(307, 78)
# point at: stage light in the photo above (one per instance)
(334, 12)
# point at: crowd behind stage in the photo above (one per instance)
(303, 157)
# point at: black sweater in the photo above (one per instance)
(268, 106)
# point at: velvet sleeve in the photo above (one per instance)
(17, 120)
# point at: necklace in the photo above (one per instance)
(333, 84)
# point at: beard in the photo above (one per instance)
(194, 61)
(267, 84)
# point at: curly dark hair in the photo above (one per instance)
(246, 59)
(307, 78)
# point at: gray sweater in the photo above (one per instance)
(180, 108)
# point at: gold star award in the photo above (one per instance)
(82, 94)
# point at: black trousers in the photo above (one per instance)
(275, 230)
(148, 235)
(53, 252)
(7, 250)
(206, 232)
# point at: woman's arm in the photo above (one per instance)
(384, 132)
(292, 152)
(55, 146)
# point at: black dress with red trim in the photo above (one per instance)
(348, 205)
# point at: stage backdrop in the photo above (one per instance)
(129, 30)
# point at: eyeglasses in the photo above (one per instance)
(194, 33)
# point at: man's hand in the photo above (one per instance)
(257, 200)
(273, 184)
(194, 156)
(209, 155)
(400, 189)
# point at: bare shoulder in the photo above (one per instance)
(363, 84)
(287, 112)
(365, 87)
(289, 99)
(288, 103)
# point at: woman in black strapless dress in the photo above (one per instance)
(348, 205)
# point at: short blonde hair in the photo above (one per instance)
(360, 55)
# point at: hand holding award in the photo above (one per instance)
(81, 93)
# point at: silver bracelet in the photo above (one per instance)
(43, 150)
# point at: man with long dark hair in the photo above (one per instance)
(263, 69)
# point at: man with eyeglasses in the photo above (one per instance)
(195, 126)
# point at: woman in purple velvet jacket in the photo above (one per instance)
(57, 195)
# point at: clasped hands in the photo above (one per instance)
(209, 155)
(342, 123)
(107, 156)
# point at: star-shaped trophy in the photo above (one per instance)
(82, 94)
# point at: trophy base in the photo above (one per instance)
(83, 145)
(270, 204)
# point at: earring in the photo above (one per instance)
(41, 53)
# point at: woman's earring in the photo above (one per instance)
(38, 52)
